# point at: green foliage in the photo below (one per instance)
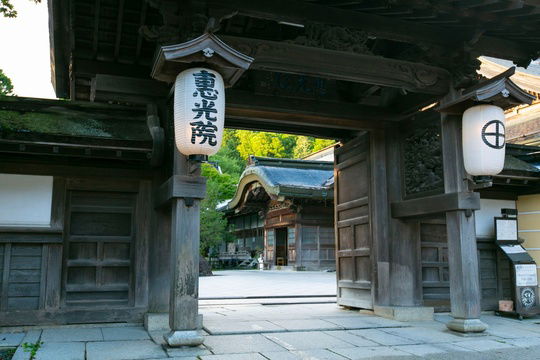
(7, 354)
(306, 145)
(228, 158)
(32, 348)
(219, 187)
(260, 143)
(7, 9)
(6, 87)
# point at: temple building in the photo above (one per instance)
(284, 208)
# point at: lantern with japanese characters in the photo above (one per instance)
(483, 140)
(199, 111)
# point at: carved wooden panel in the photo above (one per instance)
(422, 162)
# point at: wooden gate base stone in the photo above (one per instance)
(160, 322)
(467, 325)
(183, 338)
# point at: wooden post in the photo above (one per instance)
(405, 279)
(185, 238)
(379, 217)
(465, 295)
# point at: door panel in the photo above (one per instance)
(281, 246)
(352, 228)
(99, 244)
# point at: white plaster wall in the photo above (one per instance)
(25, 200)
(488, 210)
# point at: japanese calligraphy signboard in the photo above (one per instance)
(526, 275)
(199, 109)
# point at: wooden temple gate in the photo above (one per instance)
(366, 74)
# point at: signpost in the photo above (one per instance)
(523, 269)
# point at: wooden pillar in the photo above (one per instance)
(380, 217)
(184, 255)
(405, 275)
(465, 295)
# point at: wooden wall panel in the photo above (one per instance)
(24, 277)
(435, 273)
(99, 247)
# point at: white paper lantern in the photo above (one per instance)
(484, 142)
(199, 111)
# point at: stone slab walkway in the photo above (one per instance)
(283, 332)
(238, 283)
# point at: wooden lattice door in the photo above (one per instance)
(352, 224)
(99, 247)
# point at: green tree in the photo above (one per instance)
(306, 145)
(219, 187)
(6, 87)
(319, 144)
(228, 158)
(260, 143)
(8, 10)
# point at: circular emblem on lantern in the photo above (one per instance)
(528, 298)
(493, 134)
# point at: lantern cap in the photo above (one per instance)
(499, 91)
(206, 50)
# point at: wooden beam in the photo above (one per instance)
(59, 38)
(436, 204)
(181, 186)
(257, 109)
(89, 67)
(307, 113)
(287, 128)
(340, 65)
(302, 12)
(119, 20)
(144, 9)
(126, 89)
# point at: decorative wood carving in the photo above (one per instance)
(339, 65)
(333, 38)
(422, 161)
(383, 27)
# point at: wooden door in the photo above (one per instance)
(281, 246)
(99, 249)
(352, 224)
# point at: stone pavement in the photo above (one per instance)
(283, 332)
(235, 283)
